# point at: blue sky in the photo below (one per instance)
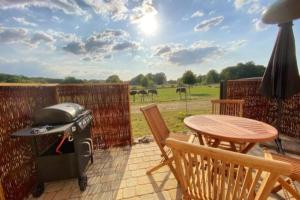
(93, 39)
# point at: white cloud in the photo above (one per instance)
(67, 6)
(116, 9)
(12, 35)
(42, 38)
(34, 39)
(23, 21)
(205, 25)
(252, 6)
(179, 55)
(197, 53)
(146, 8)
(198, 13)
(101, 45)
(113, 9)
(259, 25)
(56, 19)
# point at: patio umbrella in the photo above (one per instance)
(282, 11)
(281, 79)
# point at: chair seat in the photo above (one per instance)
(293, 161)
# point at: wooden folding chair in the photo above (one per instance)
(232, 107)
(212, 173)
(160, 133)
(287, 184)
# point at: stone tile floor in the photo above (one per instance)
(120, 173)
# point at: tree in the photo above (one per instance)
(212, 77)
(201, 79)
(146, 82)
(137, 80)
(113, 79)
(189, 78)
(242, 70)
(160, 78)
(71, 79)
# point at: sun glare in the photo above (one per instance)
(148, 24)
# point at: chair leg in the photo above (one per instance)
(160, 165)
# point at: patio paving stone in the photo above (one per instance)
(120, 173)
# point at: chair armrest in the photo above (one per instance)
(191, 138)
(267, 154)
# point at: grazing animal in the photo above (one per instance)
(152, 92)
(133, 93)
(181, 90)
(142, 94)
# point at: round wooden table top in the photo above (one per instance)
(230, 128)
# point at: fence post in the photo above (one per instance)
(223, 89)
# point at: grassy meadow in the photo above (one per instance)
(173, 108)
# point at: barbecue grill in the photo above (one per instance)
(71, 150)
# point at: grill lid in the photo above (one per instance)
(57, 114)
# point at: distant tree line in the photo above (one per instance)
(149, 80)
(241, 70)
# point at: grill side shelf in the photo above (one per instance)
(27, 132)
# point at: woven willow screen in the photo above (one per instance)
(263, 109)
(110, 107)
(111, 124)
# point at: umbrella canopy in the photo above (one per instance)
(281, 79)
(282, 11)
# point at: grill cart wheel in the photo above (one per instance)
(38, 190)
(82, 182)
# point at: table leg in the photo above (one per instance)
(200, 139)
(216, 143)
(247, 148)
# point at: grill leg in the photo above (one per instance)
(38, 190)
(82, 182)
(279, 146)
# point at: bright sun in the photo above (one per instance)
(148, 24)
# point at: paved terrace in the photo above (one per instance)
(120, 173)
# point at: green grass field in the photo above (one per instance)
(172, 108)
(169, 94)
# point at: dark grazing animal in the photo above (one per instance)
(181, 89)
(152, 91)
(142, 94)
(133, 93)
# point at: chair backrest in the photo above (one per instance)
(211, 173)
(233, 107)
(156, 123)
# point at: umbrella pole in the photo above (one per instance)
(279, 113)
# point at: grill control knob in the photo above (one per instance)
(73, 128)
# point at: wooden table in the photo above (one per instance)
(229, 132)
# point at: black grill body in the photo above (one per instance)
(68, 156)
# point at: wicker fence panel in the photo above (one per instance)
(111, 125)
(263, 109)
(16, 162)
(110, 107)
